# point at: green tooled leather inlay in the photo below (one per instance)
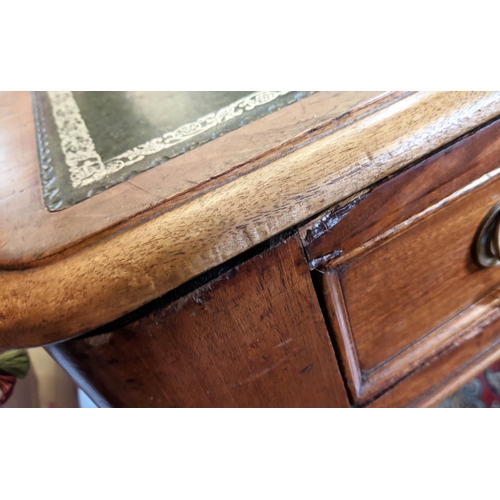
(90, 141)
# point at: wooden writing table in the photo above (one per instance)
(318, 253)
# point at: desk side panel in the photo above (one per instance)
(255, 337)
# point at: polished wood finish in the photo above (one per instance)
(115, 271)
(255, 337)
(393, 301)
(31, 233)
(447, 372)
(363, 220)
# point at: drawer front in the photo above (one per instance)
(397, 271)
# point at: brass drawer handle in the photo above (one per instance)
(487, 245)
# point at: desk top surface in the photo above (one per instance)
(108, 254)
(91, 141)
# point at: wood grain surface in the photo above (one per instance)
(339, 234)
(29, 232)
(117, 271)
(442, 375)
(255, 337)
(398, 298)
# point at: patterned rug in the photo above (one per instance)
(481, 392)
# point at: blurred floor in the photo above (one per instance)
(47, 385)
(481, 392)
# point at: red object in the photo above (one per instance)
(7, 383)
(481, 392)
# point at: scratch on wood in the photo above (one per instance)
(330, 220)
(281, 344)
(256, 376)
(98, 340)
(324, 259)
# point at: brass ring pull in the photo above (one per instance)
(487, 245)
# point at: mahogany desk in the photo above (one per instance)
(317, 249)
